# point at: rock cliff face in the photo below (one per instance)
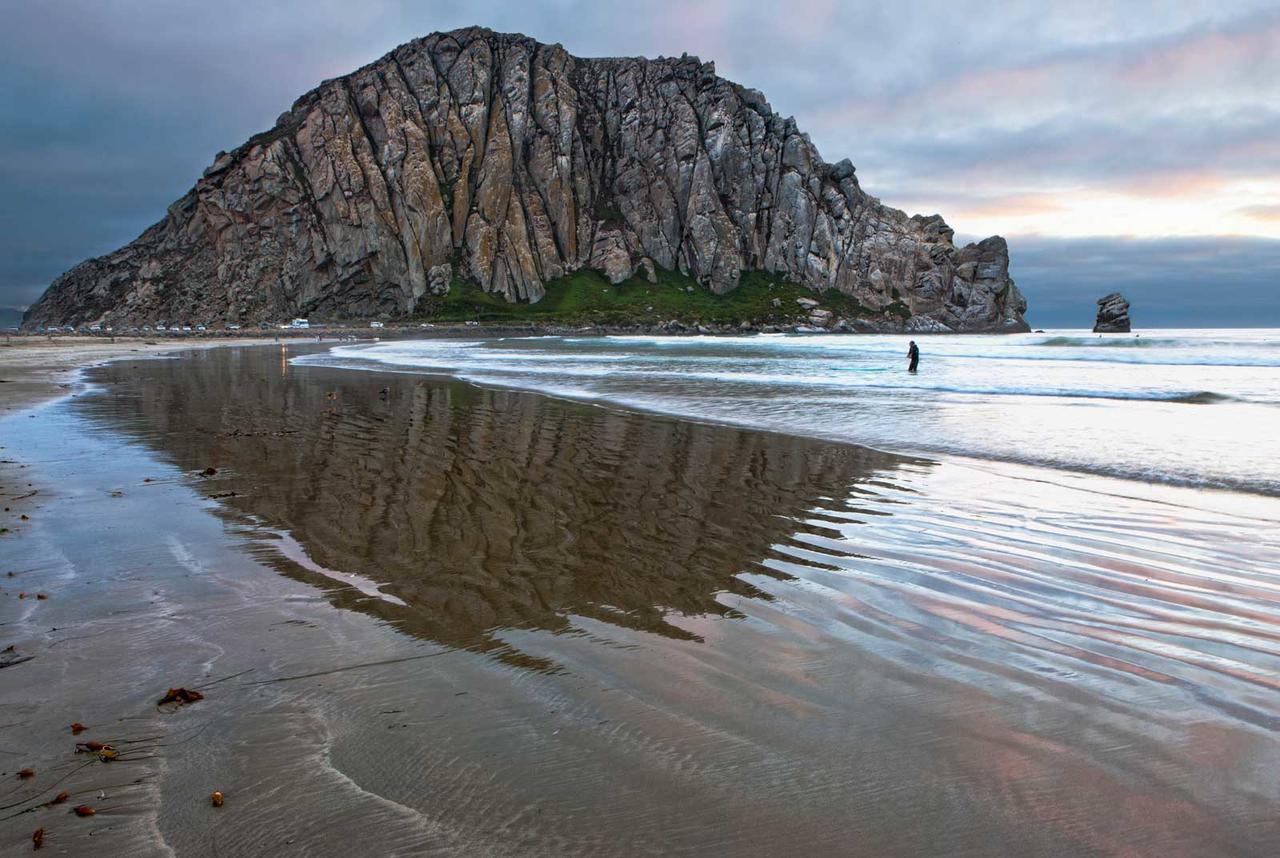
(1113, 315)
(510, 163)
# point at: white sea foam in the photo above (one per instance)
(1188, 407)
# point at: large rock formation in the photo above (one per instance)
(508, 162)
(1113, 315)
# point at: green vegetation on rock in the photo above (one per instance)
(899, 309)
(586, 297)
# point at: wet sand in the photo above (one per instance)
(430, 618)
(34, 369)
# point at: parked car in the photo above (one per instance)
(200, 327)
(300, 323)
(233, 327)
(376, 325)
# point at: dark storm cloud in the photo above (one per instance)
(110, 110)
(1110, 153)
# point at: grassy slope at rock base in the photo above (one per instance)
(586, 297)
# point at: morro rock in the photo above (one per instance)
(1113, 315)
(509, 163)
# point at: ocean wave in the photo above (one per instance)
(1189, 360)
(1204, 397)
(1156, 352)
(1107, 342)
(535, 376)
(1258, 485)
(1252, 483)
(1162, 474)
(1198, 397)
(1066, 414)
(707, 349)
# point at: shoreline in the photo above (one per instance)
(1183, 493)
(37, 369)
(534, 327)
(24, 384)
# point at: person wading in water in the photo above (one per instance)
(913, 357)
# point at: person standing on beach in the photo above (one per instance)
(913, 357)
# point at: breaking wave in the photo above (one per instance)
(992, 397)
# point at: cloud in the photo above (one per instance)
(1158, 130)
(1269, 213)
(1171, 282)
(1223, 67)
(1067, 118)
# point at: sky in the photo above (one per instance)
(1131, 146)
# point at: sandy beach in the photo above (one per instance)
(34, 369)
(430, 617)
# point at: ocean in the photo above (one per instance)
(1196, 408)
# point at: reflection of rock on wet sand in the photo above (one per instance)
(482, 509)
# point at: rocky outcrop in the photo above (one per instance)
(1113, 315)
(511, 163)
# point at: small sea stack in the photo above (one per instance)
(1113, 315)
